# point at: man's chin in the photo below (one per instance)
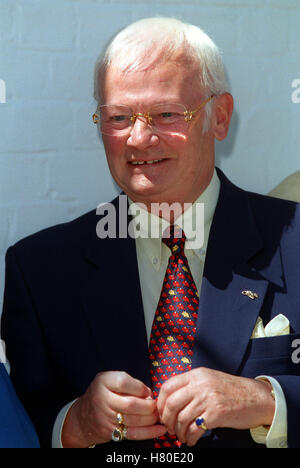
(148, 194)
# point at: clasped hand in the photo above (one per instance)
(221, 399)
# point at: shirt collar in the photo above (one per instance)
(149, 226)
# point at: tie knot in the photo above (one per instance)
(174, 238)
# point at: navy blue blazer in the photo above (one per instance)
(73, 308)
(16, 429)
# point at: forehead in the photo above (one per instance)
(171, 81)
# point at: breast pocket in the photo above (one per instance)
(272, 356)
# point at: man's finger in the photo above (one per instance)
(131, 405)
(123, 383)
(131, 420)
(145, 433)
(169, 387)
(193, 434)
(174, 404)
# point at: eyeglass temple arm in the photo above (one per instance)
(191, 113)
(95, 118)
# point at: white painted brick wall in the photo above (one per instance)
(52, 165)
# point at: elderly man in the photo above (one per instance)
(153, 340)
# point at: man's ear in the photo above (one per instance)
(222, 112)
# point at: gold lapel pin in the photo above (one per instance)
(251, 294)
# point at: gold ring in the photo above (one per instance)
(201, 423)
(120, 419)
(117, 434)
(124, 432)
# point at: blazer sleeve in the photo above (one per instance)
(32, 373)
(16, 428)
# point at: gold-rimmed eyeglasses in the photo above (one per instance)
(166, 118)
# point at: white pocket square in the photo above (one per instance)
(279, 325)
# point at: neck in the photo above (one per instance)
(171, 209)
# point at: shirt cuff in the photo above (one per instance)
(58, 425)
(3, 359)
(276, 435)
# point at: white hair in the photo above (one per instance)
(151, 40)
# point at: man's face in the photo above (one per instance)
(186, 159)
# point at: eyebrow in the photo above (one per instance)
(164, 101)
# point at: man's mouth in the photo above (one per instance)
(140, 163)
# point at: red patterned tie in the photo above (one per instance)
(173, 330)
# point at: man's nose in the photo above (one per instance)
(141, 134)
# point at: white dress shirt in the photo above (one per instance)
(153, 256)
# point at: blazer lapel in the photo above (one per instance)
(113, 305)
(226, 316)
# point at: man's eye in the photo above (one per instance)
(118, 118)
(167, 114)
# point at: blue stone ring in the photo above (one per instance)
(201, 423)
